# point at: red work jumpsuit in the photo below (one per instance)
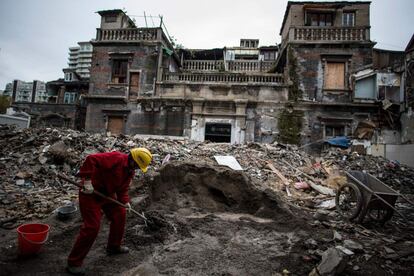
(110, 175)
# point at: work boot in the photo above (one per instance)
(75, 270)
(117, 250)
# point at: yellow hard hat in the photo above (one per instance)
(142, 157)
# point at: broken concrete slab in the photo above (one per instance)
(352, 245)
(337, 236)
(333, 262)
(228, 161)
(345, 250)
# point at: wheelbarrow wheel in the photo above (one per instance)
(380, 215)
(348, 200)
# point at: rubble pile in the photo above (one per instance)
(31, 158)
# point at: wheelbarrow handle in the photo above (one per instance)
(67, 179)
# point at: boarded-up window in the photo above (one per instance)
(335, 75)
(115, 124)
(119, 71)
(133, 85)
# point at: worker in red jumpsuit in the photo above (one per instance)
(109, 173)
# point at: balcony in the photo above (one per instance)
(232, 66)
(203, 65)
(224, 78)
(131, 34)
(307, 34)
(250, 66)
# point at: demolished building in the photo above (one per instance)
(139, 84)
(323, 80)
(301, 91)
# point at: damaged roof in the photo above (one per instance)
(203, 54)
(410, 45)
(325, 4)
(106, 12)
(116, 11)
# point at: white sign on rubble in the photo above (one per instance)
(228, 161)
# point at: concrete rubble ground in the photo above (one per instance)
(273, 218)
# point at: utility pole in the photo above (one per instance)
(145, 17)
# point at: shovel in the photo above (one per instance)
(67, 179)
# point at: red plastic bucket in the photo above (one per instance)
(31, 237)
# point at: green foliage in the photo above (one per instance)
(294, 92)
(290, 126)
(4, 103)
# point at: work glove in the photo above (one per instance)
(87, 187)
(128, 207)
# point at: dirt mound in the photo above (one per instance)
(182, 185)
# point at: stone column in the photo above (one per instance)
(197, 123)
(241, 105)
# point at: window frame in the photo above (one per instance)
(69, 97)
(346, 15)
(68, 76)
(337, 130)
(308, 18)
(117, 71)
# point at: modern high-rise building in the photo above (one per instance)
(8, 90)
(22, 91)
(79, 61)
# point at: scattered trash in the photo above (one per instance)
(301, 185)
(327, 204)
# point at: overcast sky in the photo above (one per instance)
(35, 34)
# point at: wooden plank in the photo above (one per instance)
(278, 173)
(335, 75)
(281, 176)
(133, 85)
(115, 124)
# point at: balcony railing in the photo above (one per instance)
(203, 65)
(214, 78)
(131, 34)
(250, 65)
(235, 65)
(328, 34)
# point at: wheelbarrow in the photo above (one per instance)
(363, 195)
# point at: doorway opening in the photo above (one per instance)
(219, 133)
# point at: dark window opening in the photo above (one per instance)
(319, 19)
(391, 93)
(119, 71)
(269, 56)
(333, 131)
(219, 133)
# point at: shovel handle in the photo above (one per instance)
(67, 179)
